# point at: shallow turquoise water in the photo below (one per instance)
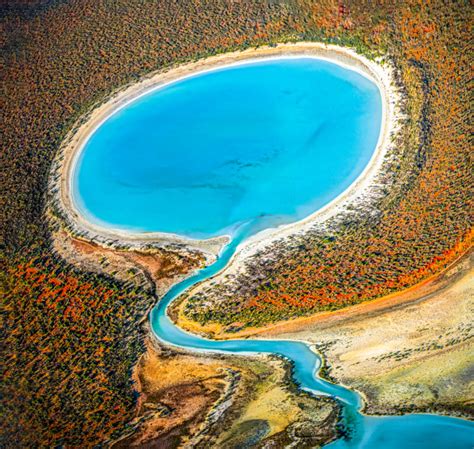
(275, 139)
(235, 151)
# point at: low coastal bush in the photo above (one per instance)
(70, 339)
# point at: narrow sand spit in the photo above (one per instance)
(65, 164)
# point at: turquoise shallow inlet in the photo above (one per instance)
(272, 140)
(237, 150)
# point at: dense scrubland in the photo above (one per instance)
(71, 338)
(419, 217)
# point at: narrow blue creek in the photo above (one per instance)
(234, 151)
(414, 431)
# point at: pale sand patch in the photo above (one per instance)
(62, 173)
(416, 348)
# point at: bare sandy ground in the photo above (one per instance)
(411, 352)
(408, 351)
(177, 392)
(219, 401)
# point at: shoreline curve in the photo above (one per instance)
(63, 168)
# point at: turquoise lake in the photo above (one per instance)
(272, 140)
(234, 151)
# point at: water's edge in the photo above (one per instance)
(61, 202)
(391, 432)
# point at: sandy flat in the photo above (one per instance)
(414, 348)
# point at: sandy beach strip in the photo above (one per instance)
(71, 149)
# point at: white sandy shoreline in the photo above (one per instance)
(71, 149)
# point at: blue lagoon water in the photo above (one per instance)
(199, 157)
(233, 151)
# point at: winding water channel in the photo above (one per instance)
(414, 431)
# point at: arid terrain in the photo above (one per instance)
(187, 399)
(222, 401)
(410, 352)
(384, 292)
